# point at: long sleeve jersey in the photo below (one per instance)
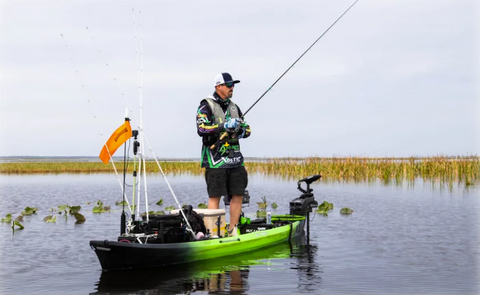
(226, 152)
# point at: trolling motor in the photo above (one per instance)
(305, 204)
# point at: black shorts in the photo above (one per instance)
(224, 182)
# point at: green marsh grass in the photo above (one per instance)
(445, 169)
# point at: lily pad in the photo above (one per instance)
(160, 203)
(202, 206)
(261, 213)
(65, 208)
(263, 204)
(324, 207)
(29, 211)
(346, 211)
(75, 209)
(100, 208)
(50, 219)
(79, 217)
(17, 224)
(7, 219)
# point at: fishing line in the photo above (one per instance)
(142, 146)
(139, 82)
(300, 57)
(139, 59)
(139, 62)
(108, 69)
(72, 62)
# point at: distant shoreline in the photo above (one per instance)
(464, 169)
(60, 159)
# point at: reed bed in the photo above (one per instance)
(95, 167)
(443, 169)
(440, 168)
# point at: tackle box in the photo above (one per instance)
(211, 218)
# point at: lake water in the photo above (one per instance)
(401, 239)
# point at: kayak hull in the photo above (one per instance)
(114, 255)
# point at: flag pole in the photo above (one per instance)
(123, 218)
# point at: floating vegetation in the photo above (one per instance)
(274, 205)
(75, 209)
(7, 219)
(170, 208)
(50, 219)
(261, 213)
(100, 208)
(121, 203)
(68, 210)
(160, 203)
(63, 208)
(202, 206)
(346, 211)
(29, 211)
(263, 204)
(324, 208)
(79, 218)
(19, 218)
(17, 224)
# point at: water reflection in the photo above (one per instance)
(227, 274)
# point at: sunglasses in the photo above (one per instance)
(229, 85)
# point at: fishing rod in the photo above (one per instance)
(140, 146)
(300, 57)
(270, 88)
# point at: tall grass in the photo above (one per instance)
(440, 168)
(94, 167)
(463, 169)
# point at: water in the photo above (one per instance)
(410, 239)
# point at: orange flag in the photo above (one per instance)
(122, 134)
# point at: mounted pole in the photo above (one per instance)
(123, 218)
(135, 151)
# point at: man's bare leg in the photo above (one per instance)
(235, 210)
(214, 203)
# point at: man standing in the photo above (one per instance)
(220, 124)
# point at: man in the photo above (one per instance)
(220, 124)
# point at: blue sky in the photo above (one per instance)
(391, 78)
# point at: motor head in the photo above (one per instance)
(306, 203)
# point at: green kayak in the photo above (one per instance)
(164, 240)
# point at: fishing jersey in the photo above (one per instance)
(212, 113)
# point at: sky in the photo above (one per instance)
(395, 78)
